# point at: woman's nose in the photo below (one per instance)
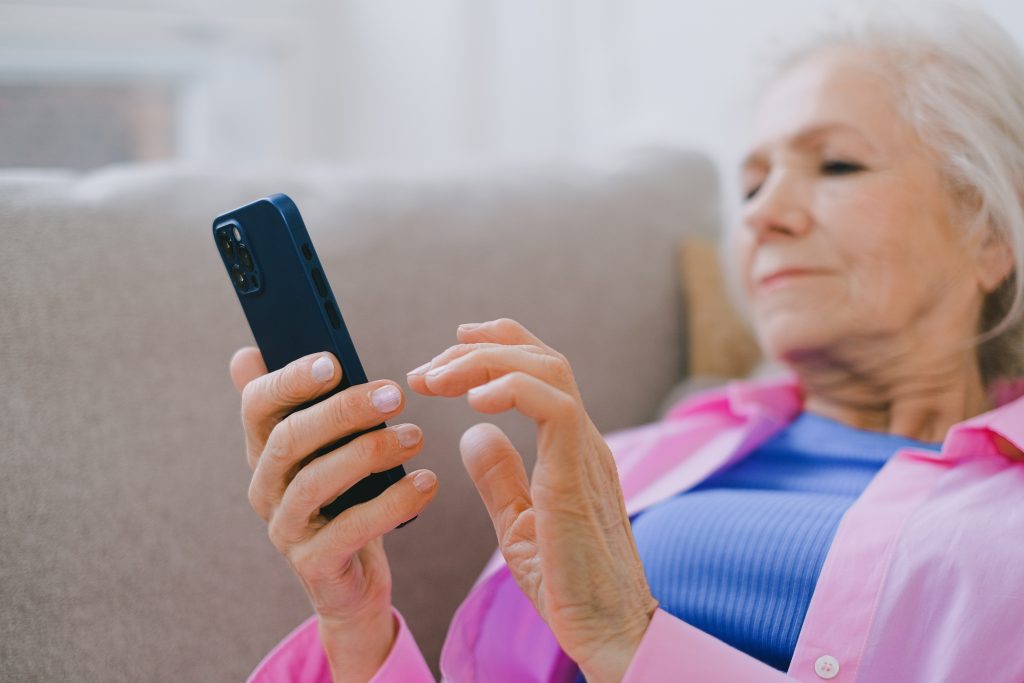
(778, 207)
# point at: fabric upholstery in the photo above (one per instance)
(129, 551)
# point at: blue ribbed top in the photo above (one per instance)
(738, 556)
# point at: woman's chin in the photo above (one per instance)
(794, 338)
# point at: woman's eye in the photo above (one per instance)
(749, 194)
(840, 167)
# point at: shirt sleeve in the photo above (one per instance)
(300, 658)
(672, 650)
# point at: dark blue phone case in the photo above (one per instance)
(291, 309)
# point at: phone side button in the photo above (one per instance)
(332, 313)
(318, 280)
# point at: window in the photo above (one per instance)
(82, 125)
(85, 83)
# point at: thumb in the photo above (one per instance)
(498, 472)
(246, 365)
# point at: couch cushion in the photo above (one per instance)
(129, 549)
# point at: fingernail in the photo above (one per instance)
(469, 326)
(424, 481)
(408, 435)
(420, 370)
(437, 371)
(386, 398)
(323, 369)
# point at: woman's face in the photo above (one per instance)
(847, 230)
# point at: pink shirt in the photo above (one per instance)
(924, 580)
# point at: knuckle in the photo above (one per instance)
(507, 324)
(517, 379)
(335, 411)
(256, 499)
(275, 536)
(252, 455)
(250, 399)
(566, 405)
(343, 411)
(281, 443)
(357, 529)
(301, 561)
(471, 353)
(458, 349)
(373, 447)
(559, 368)
(307, 487)
(306, 563)
(394, 505)
(463, 350)
(287, 385)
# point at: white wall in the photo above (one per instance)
(525, 78)
(692, 65)
(394, 81)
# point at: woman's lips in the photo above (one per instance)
(782, 277)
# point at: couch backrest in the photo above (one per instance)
(129, 551)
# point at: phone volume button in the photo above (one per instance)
(332, 313)
(318, 280)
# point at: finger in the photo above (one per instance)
(529, 395)
(500, 331)
(360, 524)
(246, 365)
(415, 378)
(498, 472)
(557, 414)
(327, 477)
(308, 430)
(459, 350)
(487, 364)
(267, 399)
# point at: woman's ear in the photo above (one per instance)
(994, 261)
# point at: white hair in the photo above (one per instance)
(961, 79)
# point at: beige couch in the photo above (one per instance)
(128, 551)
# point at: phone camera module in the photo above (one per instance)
(246, 281)
(225, 244)
(244, 257)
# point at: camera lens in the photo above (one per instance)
(239, 276)
(244, 257)
(225, 244)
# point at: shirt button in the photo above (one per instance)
(826, 666)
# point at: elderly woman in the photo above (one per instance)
(860, 518)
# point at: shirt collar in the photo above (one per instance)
(778, 397)
(999, 431)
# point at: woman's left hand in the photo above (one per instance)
(565, 534)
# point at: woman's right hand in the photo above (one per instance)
(340, 562)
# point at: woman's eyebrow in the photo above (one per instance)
(814, 133)
(806, 137)
(753, 161)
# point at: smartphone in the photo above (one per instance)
(291, 309)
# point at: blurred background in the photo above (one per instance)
(84, 83)
(130, 552)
